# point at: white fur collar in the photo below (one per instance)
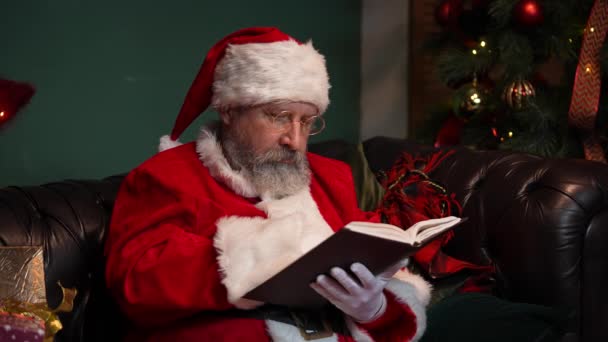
(210, 153)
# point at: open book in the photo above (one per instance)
(376, 245)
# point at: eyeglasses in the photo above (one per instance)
(282, 121)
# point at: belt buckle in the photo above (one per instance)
(310, 333)
(313, 334)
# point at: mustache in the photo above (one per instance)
(280, 154)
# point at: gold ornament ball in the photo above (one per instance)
(518, 94)
(470, 100)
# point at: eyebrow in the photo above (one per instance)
(274, 110)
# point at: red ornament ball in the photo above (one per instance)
(448, 11)
(528, 13)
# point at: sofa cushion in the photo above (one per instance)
(479, 317)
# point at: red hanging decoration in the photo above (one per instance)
(463, 19)
(528, 14)
(587, 82)
(450, 133)
(13, 96)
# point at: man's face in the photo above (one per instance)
(269, 143)
(256, 129)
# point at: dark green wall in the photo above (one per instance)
(111, 75)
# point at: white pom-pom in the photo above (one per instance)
(167, 143)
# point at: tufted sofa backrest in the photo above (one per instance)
(543, 222)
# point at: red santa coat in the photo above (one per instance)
(188, 235)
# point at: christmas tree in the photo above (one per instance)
(525, 76)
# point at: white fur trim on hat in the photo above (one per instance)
(257, 73)
(167, 143)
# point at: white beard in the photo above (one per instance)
(274, 174)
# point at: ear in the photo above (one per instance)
(226, 116)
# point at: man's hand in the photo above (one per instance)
(364, 300)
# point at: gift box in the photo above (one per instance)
(24, 312)
(22, 274)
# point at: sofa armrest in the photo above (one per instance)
(69, 219)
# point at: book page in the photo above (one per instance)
(415, 234)
(383, 230)
(429, 228)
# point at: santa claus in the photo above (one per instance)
(200, 224)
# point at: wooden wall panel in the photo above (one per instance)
(425, 89)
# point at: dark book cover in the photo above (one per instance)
(290, 286)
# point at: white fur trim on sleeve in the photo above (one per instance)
(412, 290)
(357, 333)
(422, 287)
(409, 289)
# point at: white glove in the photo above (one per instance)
(364, 301)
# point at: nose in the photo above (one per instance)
(293, 137)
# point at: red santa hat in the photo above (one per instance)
(253, 66)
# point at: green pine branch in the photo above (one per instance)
(500, 12)
(515, 54)
(455, 65)
(512, 53)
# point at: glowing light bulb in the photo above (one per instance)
(1, 114)
(531, 9)
(474, 51)
(475, 98)
(483, 43)
(592, 29)
(510, 134)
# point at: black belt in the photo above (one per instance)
(313, 324)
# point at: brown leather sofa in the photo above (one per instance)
(543, 222)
